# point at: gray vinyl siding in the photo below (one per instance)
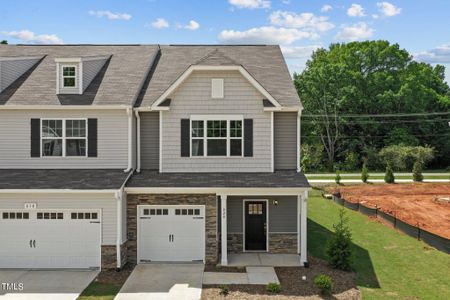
(150, 140)
(285, 140)
(106, 202)
(193, 97)
(90, 70)
(11, 70)
(112, 139)
(282, 217)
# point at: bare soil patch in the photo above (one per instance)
(293, 287)
(418, 204)
(114, 277)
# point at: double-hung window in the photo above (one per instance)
(63, 137)
(69, 76)
(216, 137)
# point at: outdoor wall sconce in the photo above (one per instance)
(274, 202)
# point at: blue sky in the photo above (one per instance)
(299, 26)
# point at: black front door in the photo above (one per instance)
(255, 225)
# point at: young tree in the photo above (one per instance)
(389, 176)
(417, 171)
(339, 248)
(337, 178)
(365, 173)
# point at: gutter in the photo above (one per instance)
(119, 198)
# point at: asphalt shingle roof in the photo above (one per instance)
(78, 179)
(278, 179)
(265, 63)
(116, 84)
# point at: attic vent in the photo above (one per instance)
(217, 88)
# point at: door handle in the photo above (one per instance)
(31, 243)
(34, 243)
(172, 238)
(169, 237)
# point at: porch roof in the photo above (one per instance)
(277, 179)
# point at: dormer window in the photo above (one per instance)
(69, 74)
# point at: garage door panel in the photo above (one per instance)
(177, 234)
(55, 243)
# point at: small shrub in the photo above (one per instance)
(364, 173)
(389, 176)
(417, 172)
(324, 283)
(338, 177)
(339, 248)
(273, 287)
(224, 289)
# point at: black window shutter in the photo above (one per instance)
(35, 137)
(92, 137)
(185, 138)
(248, 137)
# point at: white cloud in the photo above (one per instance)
(297, 52)
(355, 32)
(287, 2)
(250, 4)
(265, 35)
(28, 36)
(110, 15)
(160, 23)
(437, 55)
(193, 25)
(356, 10)
(307, 21)
(326, 8)
(375, 16)
(388, 9)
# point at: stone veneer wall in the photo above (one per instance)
(278, 243)
(109, 256)
(209, 200)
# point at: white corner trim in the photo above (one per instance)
(299, 140)
(160, 141)
(130, 139)
(138, 141)
(272, 142)
(193, 68)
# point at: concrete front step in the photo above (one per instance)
(253, 275)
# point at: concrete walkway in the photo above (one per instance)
(263, 259)
(163, 281)
(253, 275)
(44, 284)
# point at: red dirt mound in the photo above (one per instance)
(415, 204)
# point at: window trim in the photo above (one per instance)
(64, 138)
(62, 66)
(228, 138)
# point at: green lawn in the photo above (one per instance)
(389, 265)
(100, 291)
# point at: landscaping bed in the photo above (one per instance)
(417, 204)
(293, 287)
(222, 269)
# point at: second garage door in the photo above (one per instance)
(171, 233)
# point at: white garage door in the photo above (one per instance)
(171, 233)
(50, 239)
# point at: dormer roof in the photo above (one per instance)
(12, 67)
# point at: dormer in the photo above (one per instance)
(73, 75)
(11, 68)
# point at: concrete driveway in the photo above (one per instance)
(163, 281)
(45, 284)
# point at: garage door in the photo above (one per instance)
(50, 239)
(171, 233)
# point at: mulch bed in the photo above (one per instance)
(293, 287)
(114, 277)
(214, 268)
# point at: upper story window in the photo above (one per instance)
(221, 137)
(63, 137)
(69, 76)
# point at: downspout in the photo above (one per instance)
(138, 140)
(119, 198)
(130, 139)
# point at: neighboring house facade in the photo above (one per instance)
(138, 153)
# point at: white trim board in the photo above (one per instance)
(193, 68)
(254, 191)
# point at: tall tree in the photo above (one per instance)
(4, 42)
(372, 77)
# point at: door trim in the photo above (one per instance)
(243, 224)
(100, 218)
(138, 225)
